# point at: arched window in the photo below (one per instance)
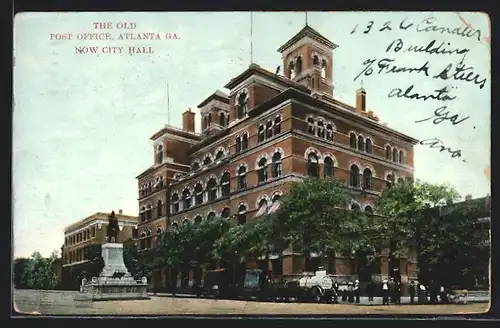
(242, 105)
(142, 214)
(260, 133)
(196, 166)
(207, 161)
(361, 143)
(209, 119)
(159, 154)
(149, 213)
(400, 180)
(197, 219)
(222, 119)
(313, 165)
(388, 152)
(298, 65)
(354, 175)
(198, 192)
(311, 126)
(328, 172)
(242, 177)
(212, 190)
(242, 214)
(368, 146)
(211, 216)
(355, 207)
(367, 179)
(401, 157)
(277, 125)
(315, 60)
(175, 203)
(321, 129)
(219, 155)
(277, 165)
(238, 144)
(291, 70)
(226, 212)
(352, 140)
(262, 208)
(143, 240)
(244, 141)
(276, 198)
(186, 199)
(158, 235)
(225, 184)
(175, 225)
(323, 69)
(205, 123)
(368, 210)
(269, 129)
(329, 132)
(394, 155)
(148, 239)
(159, 206)
(185, 222)
(262, 170)
(389, 180)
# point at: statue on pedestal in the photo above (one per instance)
(113, 228)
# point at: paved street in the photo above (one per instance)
(63, 302)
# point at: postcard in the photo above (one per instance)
(263, 163)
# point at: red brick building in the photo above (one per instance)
(268, 131)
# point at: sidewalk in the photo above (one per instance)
(478, 298)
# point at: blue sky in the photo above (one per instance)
(82, 122)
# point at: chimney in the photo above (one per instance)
(468, 198)
(360, 100)
(120, 211)
(188, 120)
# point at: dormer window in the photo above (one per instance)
(242, 105)
(205, 122)
(291, 70)
(159, 154)
(323, 68)
(298, 65)
(209, 119)
(222, 119)
(315, 60)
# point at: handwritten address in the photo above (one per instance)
(123, 33)
(454, 71)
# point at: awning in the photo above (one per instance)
(262, 211)
(274, 207)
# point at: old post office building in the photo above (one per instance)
(267, 131)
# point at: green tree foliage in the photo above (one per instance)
(425, 218)
(36, 272)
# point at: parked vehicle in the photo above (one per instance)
(317, 287)
(217, 284)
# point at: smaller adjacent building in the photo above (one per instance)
(81, 235)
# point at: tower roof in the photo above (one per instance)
(308, 31)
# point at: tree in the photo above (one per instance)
(22, 273)
(412, 221)
(36, 272)
(315, 216)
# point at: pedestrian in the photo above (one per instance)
(443, 295)
(385, 292)
(357, 291)
(433, 291)
(344, 291)
(398, 292)
(335, 292)
(370, 290)
(350, 292)
(422, 294)
(392, 290)
(411, 290)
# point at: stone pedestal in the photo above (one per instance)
(115, 281)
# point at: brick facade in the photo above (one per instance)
(291, 120)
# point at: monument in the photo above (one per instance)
(115, 281)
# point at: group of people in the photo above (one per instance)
(391, 292)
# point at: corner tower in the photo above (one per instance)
(308, 60)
